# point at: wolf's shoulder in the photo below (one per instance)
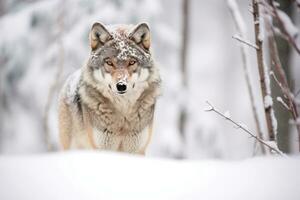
(69, 92)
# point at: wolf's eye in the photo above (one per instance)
(132, 62)
(108, 62)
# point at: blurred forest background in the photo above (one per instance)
(42, 42)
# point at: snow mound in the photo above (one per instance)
(102, 175)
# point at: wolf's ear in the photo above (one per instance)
(141, 35)
(99, 35)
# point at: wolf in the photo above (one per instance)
(108, 104)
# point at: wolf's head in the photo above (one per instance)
(120, 59)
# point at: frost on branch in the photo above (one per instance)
(274, 122)
(227, 114)
(268, 101)
(243, 40)
(241, 126)
(274, 145)
(280, 100)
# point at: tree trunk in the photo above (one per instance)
(183, 64)
(281, 113)
(264, 76)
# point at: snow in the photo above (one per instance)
(274, 122)
(260, 36)
(261, 33)
(244, 126)
(227, 114)
(267, 78)
(268, 101)
(280, 100)
(126, 51)
(276, 3)
(288, 24)
(274, 145)
(111, 176)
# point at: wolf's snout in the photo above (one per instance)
(121, 87)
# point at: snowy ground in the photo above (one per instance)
(93, 175)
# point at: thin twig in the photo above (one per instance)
(281, 101)
(241, 29)
(242, 40)
(297, 93)
(290, 38)
(266, 143)
(250, 10)
(278, 83)
(278, 33)
(282, 80)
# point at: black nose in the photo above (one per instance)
(121, 87)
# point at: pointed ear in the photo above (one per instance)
(141, 35)
(99, 35)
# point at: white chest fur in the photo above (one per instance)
(131, 143)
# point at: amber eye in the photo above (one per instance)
(108, 62)
(132, 62)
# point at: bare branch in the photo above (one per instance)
(297, 101)
(278, 83)
(271, 145)
(278, 33)
(242, 40)
(282, 80)
(241, 29)
(284, 30)
(297, 93)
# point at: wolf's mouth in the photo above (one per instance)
(121, 92)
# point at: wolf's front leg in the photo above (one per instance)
(65, 125)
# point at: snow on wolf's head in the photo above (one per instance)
(120, 62)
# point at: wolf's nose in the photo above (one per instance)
(121, 87)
